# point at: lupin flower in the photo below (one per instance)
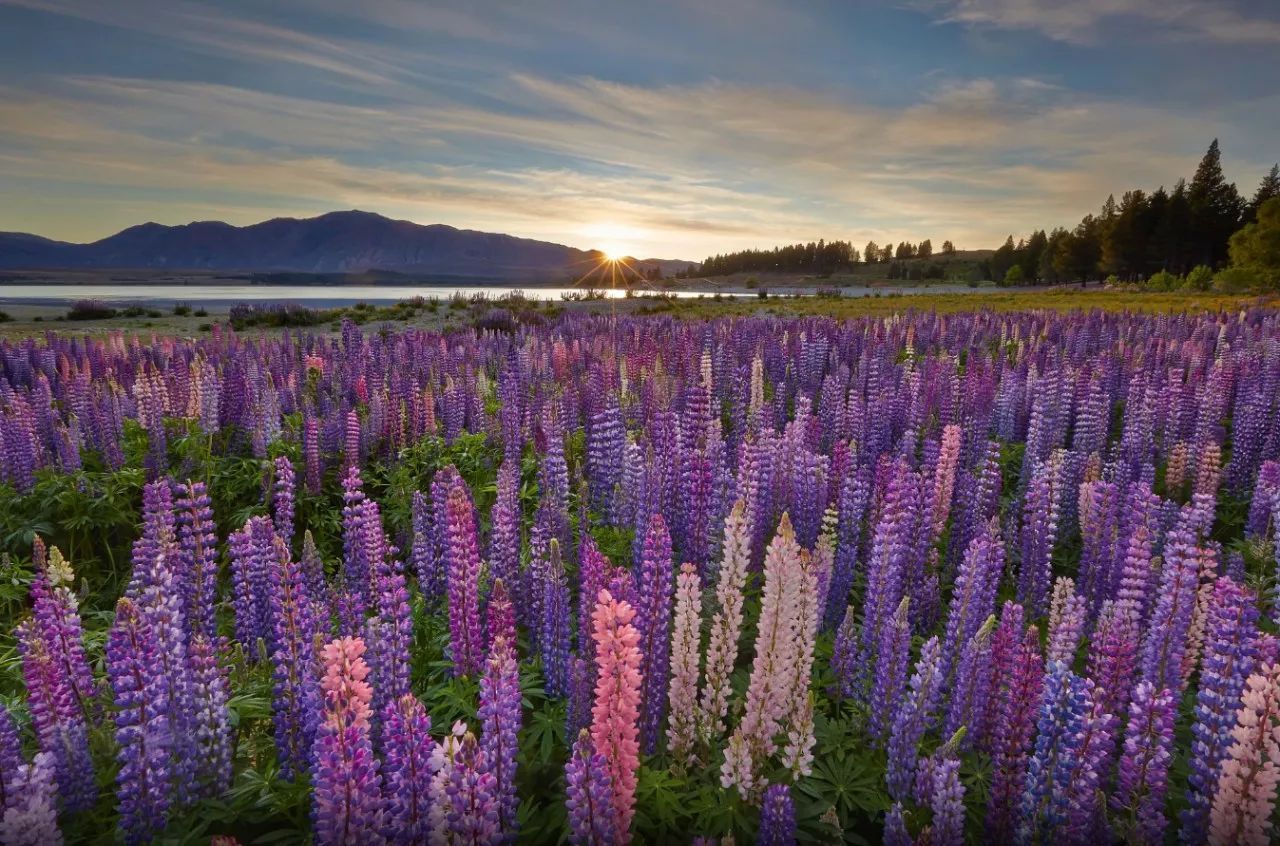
(56, 618)
(1166, 638)
(57, 716)
(1066, 622)
(283, 500)
(683, 694)
(1017, 703)
(890, 676)
(653, 620)
(1230, 656)
(500, 718)
(946, 802)
(726, 622)
(971, 687)
(1246, 795)
(1113, 655)
(209, 694)
(471, 806)
(408, 747)
(1144, 765)
(29, 817)
(777, 817)
(10, 757)
(614, 718)
(198, 557)
(772, 670)
(347, 800)
(143, 733)
(912, 720)
(589, 796)
(553, 635)
(500, 615)
(296, 686)
(1047, 794)
(464, 583)
(504, 538)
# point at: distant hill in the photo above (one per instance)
(346, 242)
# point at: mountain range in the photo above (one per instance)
(344, 242)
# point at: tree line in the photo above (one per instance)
(1143, 235)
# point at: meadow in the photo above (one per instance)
(953, 569)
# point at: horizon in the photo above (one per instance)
(674, 133)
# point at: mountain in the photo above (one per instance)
(343, 242)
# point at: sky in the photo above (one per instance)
(662, 128)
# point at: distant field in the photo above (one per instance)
(28, 320)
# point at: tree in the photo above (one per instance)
(1078, 253)
(1215, 207)
(1003, 259)
(886, 253)
(871, 254)
(1014, 276)
(1269, 187)
(948, 248)
(925, 250)
(1030, 253)
(1255, 252)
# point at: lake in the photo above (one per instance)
(320, 296)
(323, 296)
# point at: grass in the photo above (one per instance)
(1057, 300)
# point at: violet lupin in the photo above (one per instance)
(30, 816)
(912, 719)
(777, 817)
(500, 718)
(57, 717)
(1018, 699)
(407, 750)
(143, 733)
(1166, 638)
(653, 620)
(1046, 794)
(890, 676)
(553, 639)
(56, 617)
(198, 557)
(209, 693)
(347, 801)
(1230, 656)
(296, 686)
(1039, 533)
(500, 615)
(504, 538)
(588, 796)
(1144, 765)
(463, 559)
(284, 491)
(10, 757)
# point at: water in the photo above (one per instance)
(319, 296)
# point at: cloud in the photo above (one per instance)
(1081, 21)
(689, 168)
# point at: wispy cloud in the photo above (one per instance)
(1081, 21)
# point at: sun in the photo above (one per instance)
(615, 241)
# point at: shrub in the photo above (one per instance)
(1164, 281)
(90, 310)
(181, 310)
(4, 317)
(1199, 279)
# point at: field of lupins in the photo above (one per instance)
(926, 579)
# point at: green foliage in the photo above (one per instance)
(1014, 276)
(1255, 249)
